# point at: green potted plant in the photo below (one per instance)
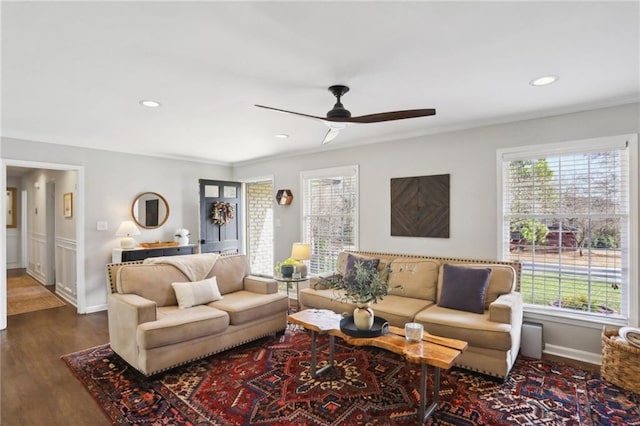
(286, 267)
(362, 286)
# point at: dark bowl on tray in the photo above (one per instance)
(380, 327)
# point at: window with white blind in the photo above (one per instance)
(329, 215)
(566, 217)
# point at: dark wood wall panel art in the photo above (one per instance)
(420, 206)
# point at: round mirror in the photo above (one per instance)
(150, 210)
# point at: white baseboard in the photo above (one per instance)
(65, 297)
(96, 308)
(590, 357)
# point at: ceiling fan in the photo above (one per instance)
(339, 117)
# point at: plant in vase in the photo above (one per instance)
(362, 285)
(286, 267)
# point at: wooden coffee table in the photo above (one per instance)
(438, 352)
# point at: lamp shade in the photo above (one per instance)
(126, 230)
(301, 251)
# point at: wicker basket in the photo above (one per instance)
(620, 362)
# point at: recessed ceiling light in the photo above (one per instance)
(149, 103)
(281, 136)
(544, 80)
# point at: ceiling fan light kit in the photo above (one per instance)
(339, 117)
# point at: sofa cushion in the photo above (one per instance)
(152, 282)
(194, 293)
(464, 288)
(230, 272)
(399, 310)
(176, 325)
(502, 280)
(245, 306)
(477, 330)
(325, 299)
(418, 278)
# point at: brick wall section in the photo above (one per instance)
(260, 227)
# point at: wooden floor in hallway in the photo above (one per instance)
(36, 387)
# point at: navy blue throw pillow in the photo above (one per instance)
(464, 289)
(350, 268)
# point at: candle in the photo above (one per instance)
(413, 331)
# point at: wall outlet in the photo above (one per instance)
(102, 225)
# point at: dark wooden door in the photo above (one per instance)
(215, 237)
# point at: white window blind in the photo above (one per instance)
(566, 217)
(330, 215)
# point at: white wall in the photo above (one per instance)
(112, 180)
(469, 156)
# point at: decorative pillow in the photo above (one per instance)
(502, 280)
(350, 269)
(195, 293)
(463, 288)
(416, 278)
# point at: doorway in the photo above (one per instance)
(221, 225)
(259, 225)
(77, 261)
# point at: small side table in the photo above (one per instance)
(295, 281)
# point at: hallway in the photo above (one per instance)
(25, 294)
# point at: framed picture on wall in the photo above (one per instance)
(67, 202)
(11, 208)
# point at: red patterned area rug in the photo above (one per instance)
(267, 382)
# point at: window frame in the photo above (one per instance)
(632, 259)
(349, 170)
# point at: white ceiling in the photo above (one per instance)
(73, 73)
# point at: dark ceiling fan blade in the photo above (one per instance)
(292, 112)
(388, 116)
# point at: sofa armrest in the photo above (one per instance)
(131, 308)
(126, 312)
(507, 308)
(260, 285)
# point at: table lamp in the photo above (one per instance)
(126, 230)
(301, 252)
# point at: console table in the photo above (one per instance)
(119, 255)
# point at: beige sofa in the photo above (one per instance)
(493, 336)
(148, 329)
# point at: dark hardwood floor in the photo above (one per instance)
(36, 386)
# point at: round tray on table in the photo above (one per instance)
(380, 327)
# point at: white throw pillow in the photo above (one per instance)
(196, 292)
